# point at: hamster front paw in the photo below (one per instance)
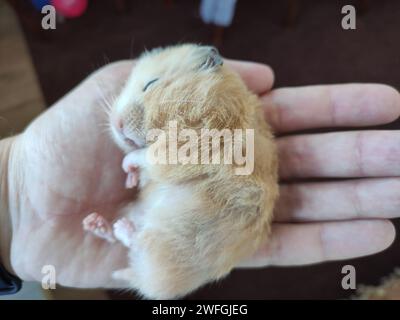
(132, 164)
(132, 178)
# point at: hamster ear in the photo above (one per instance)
(213, 58)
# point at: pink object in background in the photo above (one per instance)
(70, 8)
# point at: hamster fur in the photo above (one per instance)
(192, 223)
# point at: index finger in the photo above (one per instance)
(258, 77)
(322, 106)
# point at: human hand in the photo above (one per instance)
(62, 167)
(65, 166)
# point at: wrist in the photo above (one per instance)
(5, 218)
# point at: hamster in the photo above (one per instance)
(193, 221)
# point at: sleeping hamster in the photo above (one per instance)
(184, 119)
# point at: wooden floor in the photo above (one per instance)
(20, 94)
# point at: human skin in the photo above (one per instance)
(65, 165)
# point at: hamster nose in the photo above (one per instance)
(118, 123)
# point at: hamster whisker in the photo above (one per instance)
(105, 128)
(107, 100)
(106, 125)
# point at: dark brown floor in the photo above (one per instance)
(315, 50)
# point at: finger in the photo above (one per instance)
(258, 77)
(339, 200)
(290, 109)
(299, 244)
(340, 154)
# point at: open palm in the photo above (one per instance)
(65, 166)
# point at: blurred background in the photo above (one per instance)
(302, 40)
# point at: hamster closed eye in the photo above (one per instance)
(193, 220)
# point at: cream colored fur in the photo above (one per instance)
(194, 223)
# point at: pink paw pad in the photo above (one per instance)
(99, 226)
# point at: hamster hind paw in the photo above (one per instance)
(124, 230)
(99, 226)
